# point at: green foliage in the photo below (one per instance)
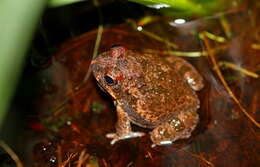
(97, 107)
(56, 3)
(55, 125)
(188, 7)
(18, 19)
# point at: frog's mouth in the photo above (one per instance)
(105, 91)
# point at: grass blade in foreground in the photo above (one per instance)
(18, 19)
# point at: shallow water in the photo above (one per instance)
(73, 115)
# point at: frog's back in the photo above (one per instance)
(162, 92)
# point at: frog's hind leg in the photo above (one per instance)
(188, 72)
(179, 127)
(123, 128)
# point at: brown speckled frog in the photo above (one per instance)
(151, 92)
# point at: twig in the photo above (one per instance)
(147, 20)
(59, 108)
(59, 156)
(95, 52)
(82, 158)
(98, 39)
(240, 69)
(131, 163)
(255, 46)
(158, 38)
(213, 60)
(212, 37)
(226, 26)
(184, 54)
(104, 162)
(11, 153)
(149, 155)
(152, 35)
(71, 156)
(201, 158)
(177, 53)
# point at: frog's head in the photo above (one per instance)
(115, 71)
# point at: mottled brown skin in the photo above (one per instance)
(151, 92)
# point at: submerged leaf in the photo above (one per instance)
(97, 107)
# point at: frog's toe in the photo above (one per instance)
(114, 141)
(134, 134)
(115, 137)
(162, 143)
(111, 135)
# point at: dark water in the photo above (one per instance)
(65, 115)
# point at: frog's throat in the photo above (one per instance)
(101, 87)
(105, 91)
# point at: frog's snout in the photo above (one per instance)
(94, 67)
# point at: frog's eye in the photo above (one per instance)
(109, 80)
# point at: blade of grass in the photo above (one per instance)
(221, 78)
(178, 4)
(11, 153)
(18, 19)
(238, 68)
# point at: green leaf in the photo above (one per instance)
(56, 3)
(188, 7)
(97, 107)
(18, 19)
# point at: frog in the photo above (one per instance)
(150, 91)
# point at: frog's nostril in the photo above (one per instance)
(94, 67)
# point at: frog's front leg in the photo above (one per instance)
(188, 72)
(123, 127)
(179, 127)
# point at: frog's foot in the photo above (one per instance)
(166, 136)
(177, 128)
(116, 137)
